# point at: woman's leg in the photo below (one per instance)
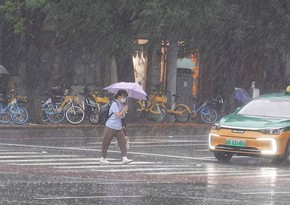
(107, 138)
(120, 136)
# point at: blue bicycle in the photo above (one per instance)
(207, 113)
(13, 111)
(52, 111)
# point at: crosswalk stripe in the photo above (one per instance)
(140, 169)
(74, 162)
(28, 161)
(15, 153)
(78, 163)
(34, 156)
(149, 142)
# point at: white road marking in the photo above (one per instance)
(265, 193)
(94, 150)
(168, 145)
(166, 136)
(35, 156)
(156, 142)
(200, 173)
(48, 160)
(130, 169)
(15, 153)
(75, 162)
(89, 197)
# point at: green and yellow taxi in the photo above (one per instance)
(259, 128)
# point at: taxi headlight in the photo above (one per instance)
(274, 146)
(210, 138)
(274, 131)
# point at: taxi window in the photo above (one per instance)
(267, 108)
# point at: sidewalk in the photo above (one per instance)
(65, 129)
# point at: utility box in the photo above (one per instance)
(184, 82)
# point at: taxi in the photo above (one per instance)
(259, 128)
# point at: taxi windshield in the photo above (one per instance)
(267, 108)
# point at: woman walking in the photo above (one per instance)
(114, 126)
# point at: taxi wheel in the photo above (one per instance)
(286, 157)
(223, 156)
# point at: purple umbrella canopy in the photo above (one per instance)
(134, 90)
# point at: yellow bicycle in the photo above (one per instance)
(74, 113)
(156, 110)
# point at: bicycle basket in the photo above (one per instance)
(102, 99)
(75, 98)
(21, 99)
(162, 99)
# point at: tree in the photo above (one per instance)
(236, 43)
(239, 41)
(169, 21)
(27, 19)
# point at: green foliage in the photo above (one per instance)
(16, 12)
(107, 26)
(12, 13)
(219, 28)
(34, 4)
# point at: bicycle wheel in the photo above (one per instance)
(4, 117)
(158, 113)
(18, 115)
(55, 115)
(75, 114)
(94, 117)
(183, 115)
(208, 115)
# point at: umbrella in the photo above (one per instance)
(3, 70)
(241, 95)
(134, 90)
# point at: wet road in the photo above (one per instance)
(166, 170)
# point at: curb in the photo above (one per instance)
(70, 130)
(129, 125)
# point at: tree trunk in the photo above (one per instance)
(125, 72)
(171, 71)
(171, 74)
(34, 74)
(1, 35)
(153, 71)
(125, 69)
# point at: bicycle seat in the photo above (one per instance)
(175, 95)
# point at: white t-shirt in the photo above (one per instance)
(113, 122)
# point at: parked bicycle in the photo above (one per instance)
(156, 110)
(52, 110)
(206, 112)
(73, 111)
(66, 105)
(217, 105)
(12, 111)
(93, 104)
